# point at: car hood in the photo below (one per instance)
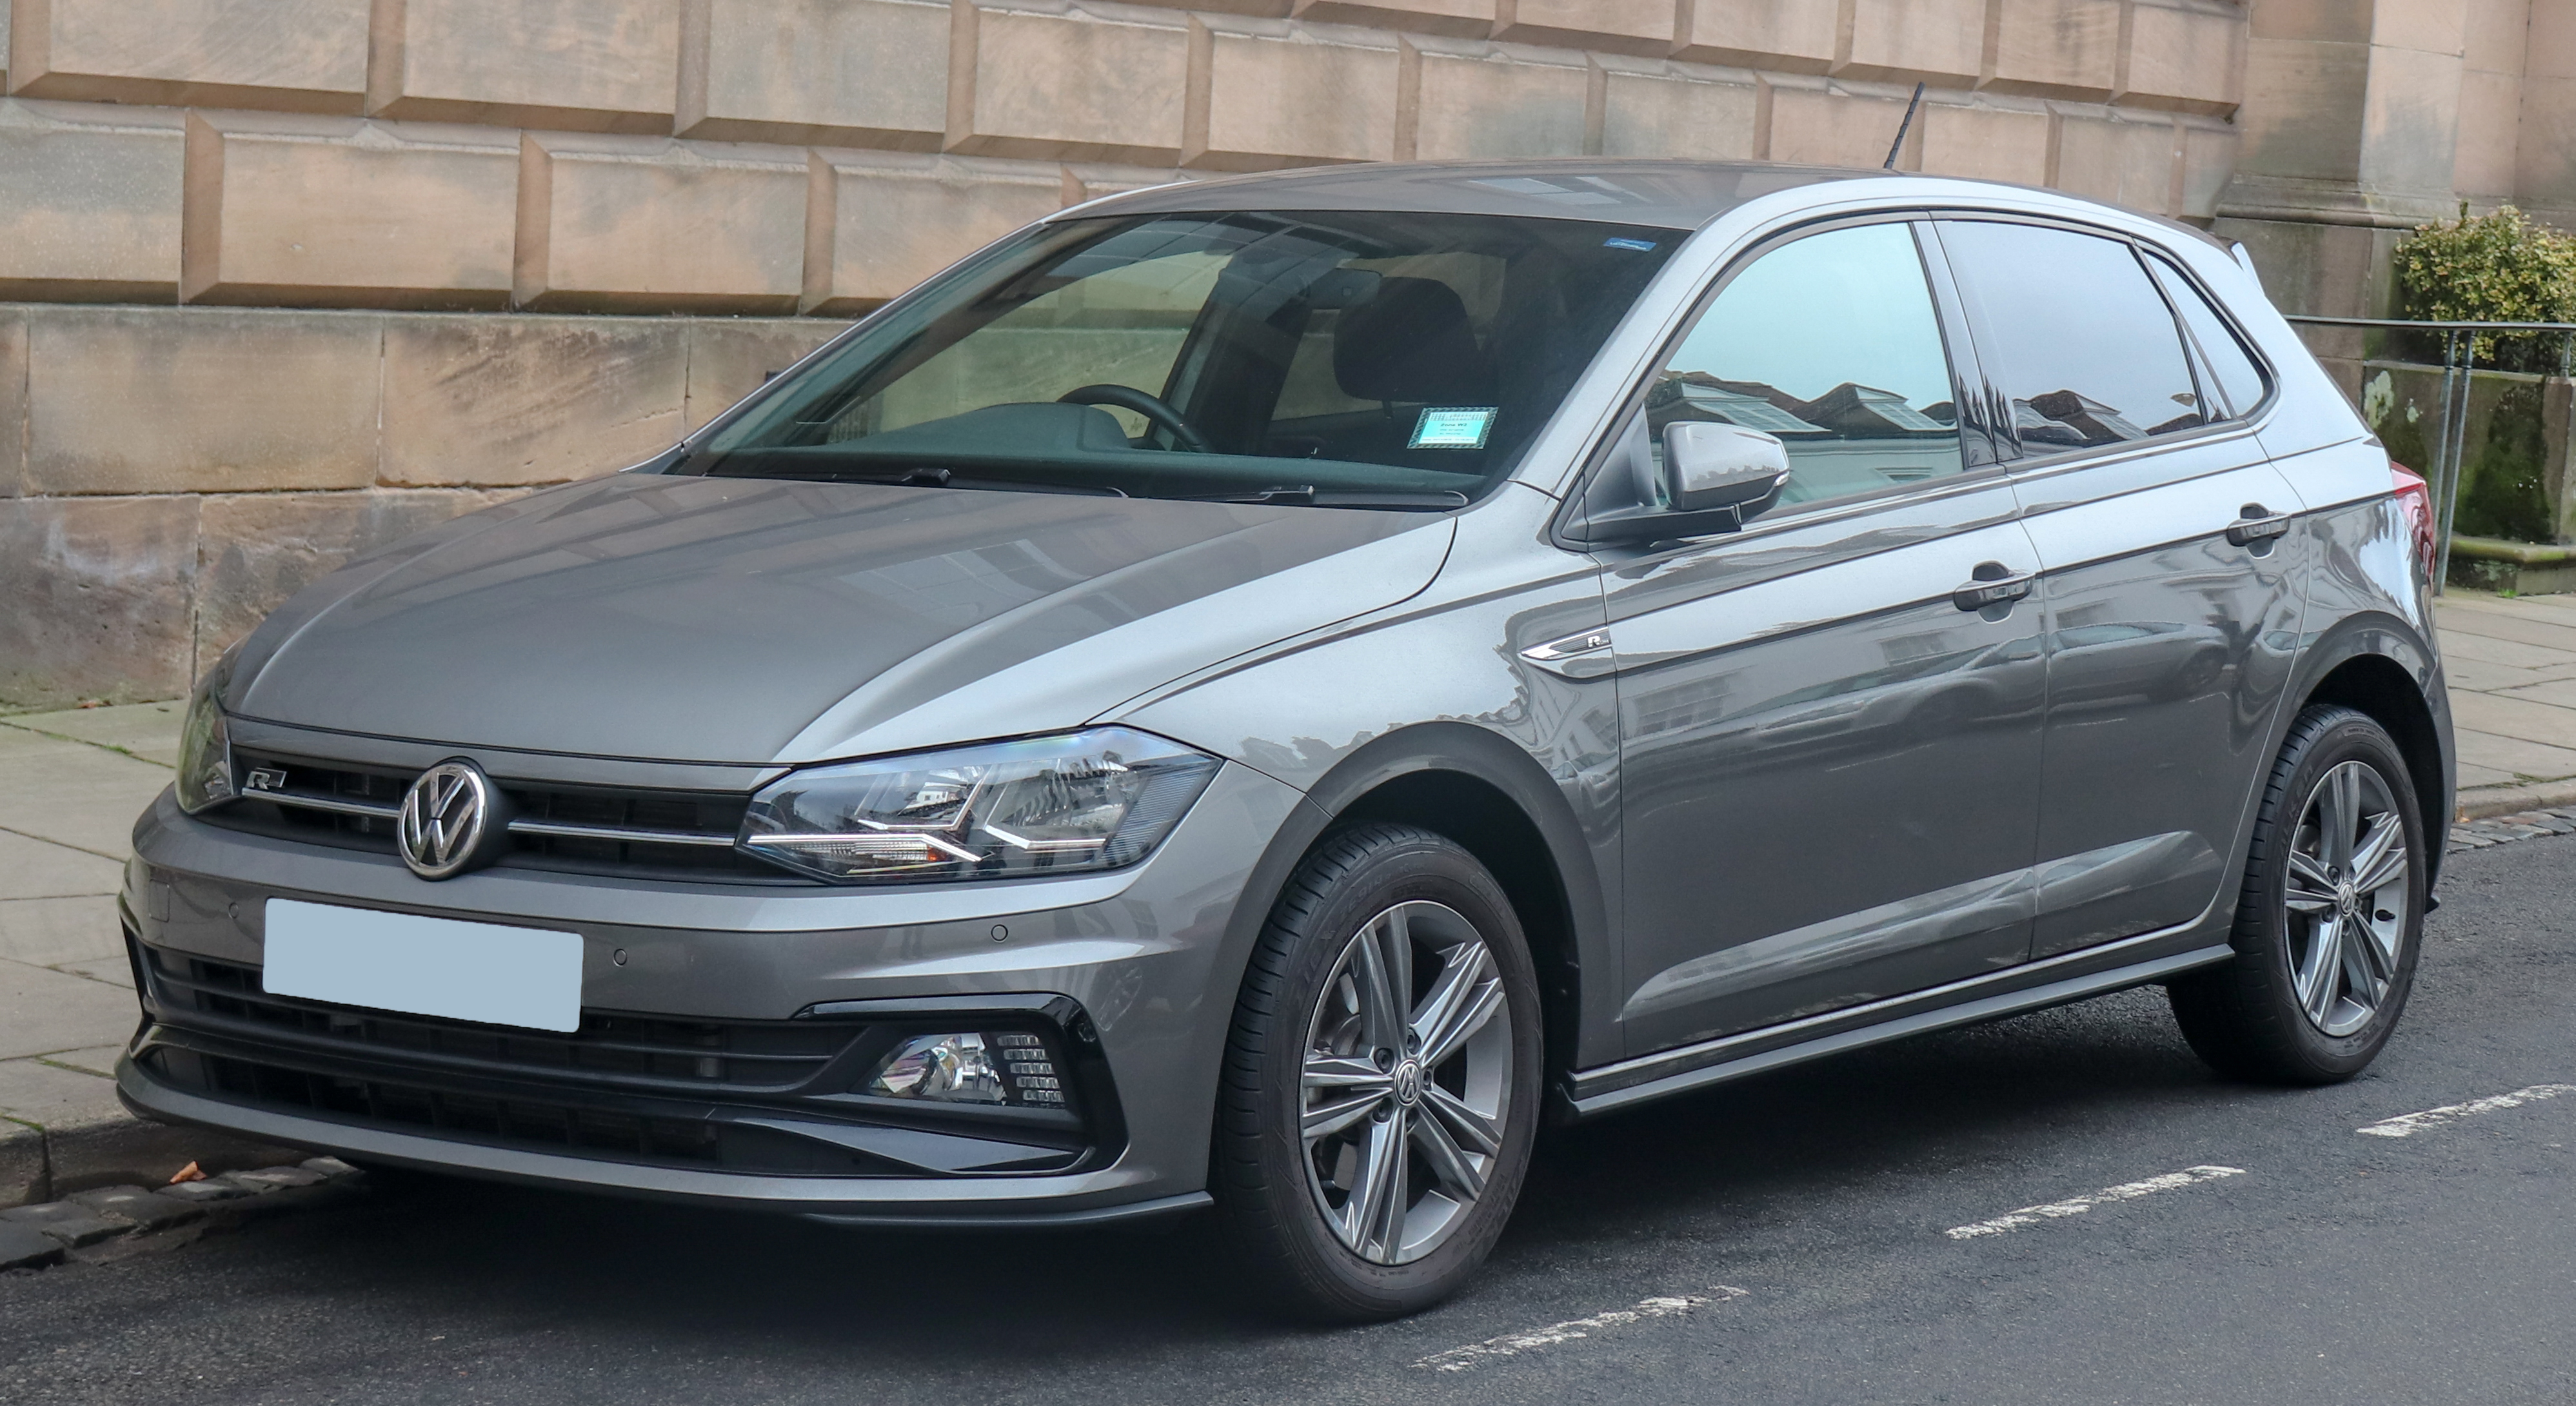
(734, 620)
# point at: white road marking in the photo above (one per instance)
(1459, 1359)
(2078, 1205)
(2409, 1124)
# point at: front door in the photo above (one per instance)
(2172, 607)
(1830, 765)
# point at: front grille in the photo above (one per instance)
(689, 1058)
(625, 832)
(534, 1123)
(764, 1097)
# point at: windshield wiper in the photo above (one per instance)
(1309, 496)
(932, 476)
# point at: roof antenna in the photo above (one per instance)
(1902, 128)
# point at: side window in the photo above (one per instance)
(2074, 335)
(1831, 344)
(2239, 381)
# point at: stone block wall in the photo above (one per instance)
(717, 155)
(167, 478)
(2366, 118)
(357, 264)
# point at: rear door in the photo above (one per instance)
(1830, 765)
(2172, 613)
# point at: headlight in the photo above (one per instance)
(206, 745)
(1050, 805)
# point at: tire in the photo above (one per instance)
(2279, 1012)
(1298, 1210)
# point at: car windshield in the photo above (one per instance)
(1362, 359)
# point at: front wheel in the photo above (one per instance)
(1382, 1083)
(2331, 917)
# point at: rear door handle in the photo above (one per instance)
(1995, 584)
(2257, 523)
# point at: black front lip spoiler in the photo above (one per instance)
(1034, 1202)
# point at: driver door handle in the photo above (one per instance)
(1994, 584)
(2256, 523)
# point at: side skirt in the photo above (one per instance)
(1668, 1072)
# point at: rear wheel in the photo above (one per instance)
(1381, 1085)
(2331, 916)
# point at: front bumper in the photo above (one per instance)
(1132, 975)
(1080, 1199)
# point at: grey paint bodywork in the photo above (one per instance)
(1727, 903)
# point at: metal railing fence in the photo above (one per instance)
(2451, 426)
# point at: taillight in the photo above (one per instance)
(2415, 499)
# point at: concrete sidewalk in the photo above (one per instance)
(2512, 664)
(71, 784)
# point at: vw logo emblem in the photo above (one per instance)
(445, 815)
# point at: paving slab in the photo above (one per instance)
(34, 868)
(111, 971)
(75, 794)
(48, 932)
(2519, 758)
(2521, 627)
(2484, 677)
(2461, 644)
(2502, 715)
(2471, 776)
(2561, 609)
(46, 1094)
(148, 730)
(98, 1060)
(43, 1011)
(2558, 693)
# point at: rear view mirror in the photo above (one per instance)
(1710, 466)
(1712, 477)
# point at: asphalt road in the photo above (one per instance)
(1808, 1214)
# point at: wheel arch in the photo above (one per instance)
(1487, 794)
(2378, 667)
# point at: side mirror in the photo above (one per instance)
(1709, 466)
(1713, 477)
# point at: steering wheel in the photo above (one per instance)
(1152, 407)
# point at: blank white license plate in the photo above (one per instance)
(424, 966)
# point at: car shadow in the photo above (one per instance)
(522, 1260)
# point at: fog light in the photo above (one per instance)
(1005, 1067)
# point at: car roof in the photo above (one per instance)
(1662, 193)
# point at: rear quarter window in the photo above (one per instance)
(2072, 330)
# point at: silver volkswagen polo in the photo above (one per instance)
(1263, 692)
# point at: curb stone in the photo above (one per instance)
(2492, 801)
(48, 1162)
(35, 1236)
(2504, 829)
(148, 1210)
(25, 1247)
(66, 1221)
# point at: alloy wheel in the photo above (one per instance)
(1406, 1083)
(2346, 898)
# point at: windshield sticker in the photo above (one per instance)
(1454, 427)
(1642, 246)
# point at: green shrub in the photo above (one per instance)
(2493, 268)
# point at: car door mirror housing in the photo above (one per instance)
(1708, 466)
(1713, 477)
